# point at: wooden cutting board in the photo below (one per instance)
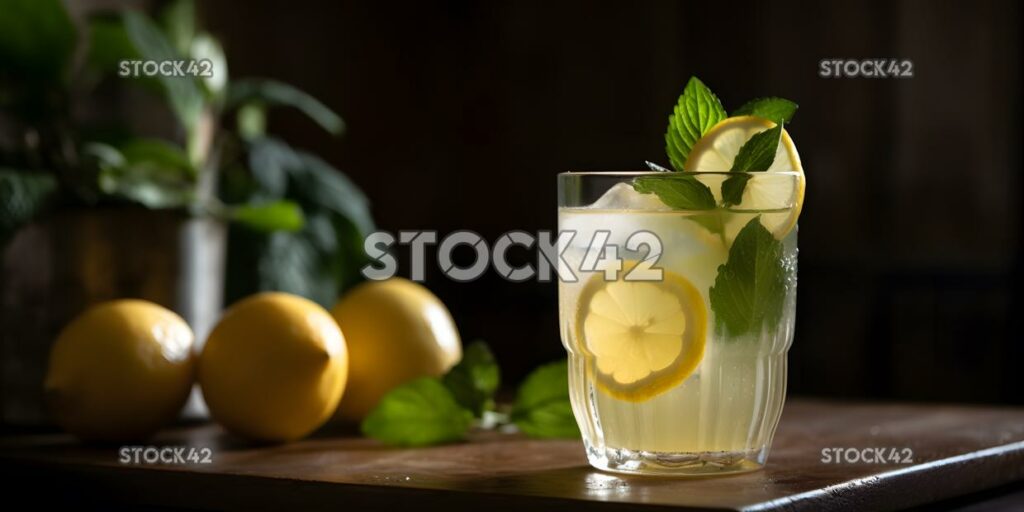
(956, 450)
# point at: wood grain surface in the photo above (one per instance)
(956, 450)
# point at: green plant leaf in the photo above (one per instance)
(732, 189)
(756, 155)
(696, 111)
(542, 408)
(779, 110)
(273, 216)
(272, 92)
(108, 44)
(23, 194)
(300, 262)
(475, 379)
(677, 190)
(206, 48)
(322, 259)
(750, 288)
(151, 172)
(179, 23)
(36, 39)
(420, 413)
(183, 92)
(158, 154)
(271, 161)
(251, 120)
(324, 186)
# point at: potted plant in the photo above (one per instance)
(165, 187)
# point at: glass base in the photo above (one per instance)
(621, 460)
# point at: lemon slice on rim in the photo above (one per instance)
(643, 337)
(717, 149)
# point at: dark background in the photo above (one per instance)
(461, 113)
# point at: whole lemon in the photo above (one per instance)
(397, 331)
(274, 367)
(120, 371)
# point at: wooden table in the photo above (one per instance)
(957, 450)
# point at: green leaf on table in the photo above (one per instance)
(37, 38)
(679, 191)
(269, 217)
(182, 91)
(750, 288)
(420, 413)
(542, 408)
(475, 379)
(779, 110)
(274, 93)
(696, 111)
(756, 155)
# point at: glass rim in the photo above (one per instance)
(633, 174)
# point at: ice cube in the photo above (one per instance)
(622, 196)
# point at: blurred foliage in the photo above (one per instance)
(297, 223)
(22, 196)
(321, 259)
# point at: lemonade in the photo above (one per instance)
(719, 417)
(677, 294)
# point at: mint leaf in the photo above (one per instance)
(696, 111)
(779, 110)
(732, 189)
(751, 286)
(677, 190)
(475, 379)
(542, 407)
(756, 155)
(550, 420)
(420, 413)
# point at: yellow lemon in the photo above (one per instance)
(397, 331)
(120, 371)
(716, 151)
(274, 367)
(643, 337)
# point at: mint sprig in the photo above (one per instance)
(756, 155)
(775, 109)
(677, 190)
(475, 379)
(696, 111)
(750, 288)
(542, 407)
(430, 411)
(419, 413)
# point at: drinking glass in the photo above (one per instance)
(678, 315)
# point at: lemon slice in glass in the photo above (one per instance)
(643, 337)
(717, 149)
